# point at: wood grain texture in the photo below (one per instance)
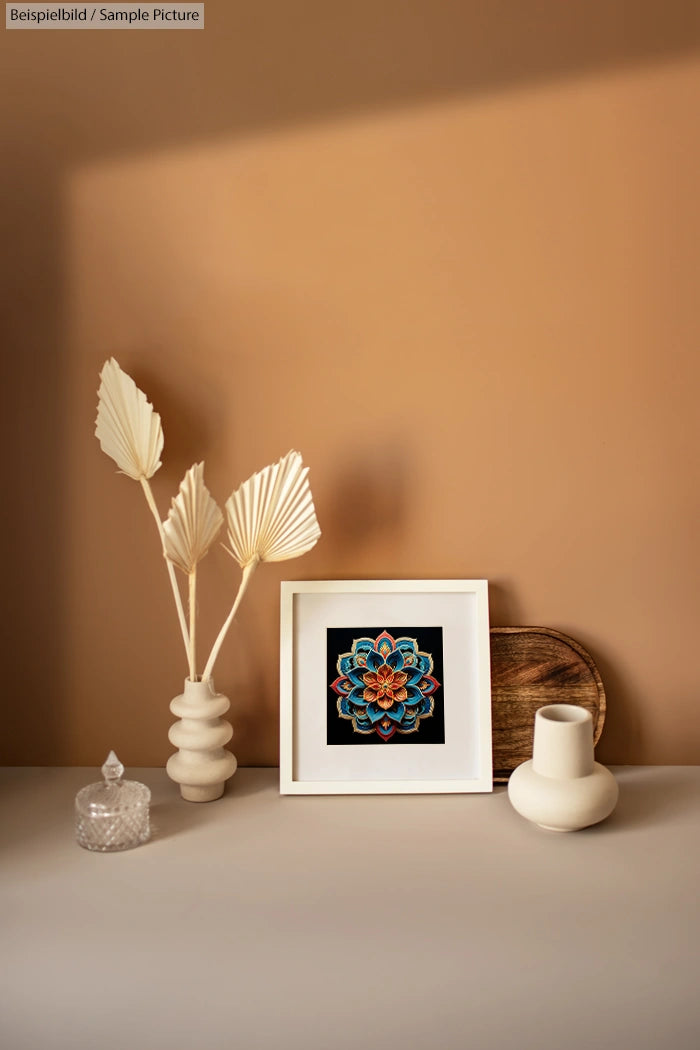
(532, 667)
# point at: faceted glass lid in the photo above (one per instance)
(112, 794)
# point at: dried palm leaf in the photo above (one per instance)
(129, 431)
(127, 427)
(188, 533)
(193, 523)
(271, 517)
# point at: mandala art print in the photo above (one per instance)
(385, 686)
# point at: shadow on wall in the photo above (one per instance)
(368, 501)
(71, 97)
(272, 62)
(174, 404)
(622, 719)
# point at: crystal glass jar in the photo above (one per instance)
(112, 815)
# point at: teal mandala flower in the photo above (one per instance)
(385, 685)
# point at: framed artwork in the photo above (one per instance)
(385, 687)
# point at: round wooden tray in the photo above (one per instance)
(532, 667)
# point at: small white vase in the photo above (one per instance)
(202, 765)
(562, 788)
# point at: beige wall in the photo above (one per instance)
(452, 259)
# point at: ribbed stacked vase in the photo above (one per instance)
(202, 765)
(562, 788)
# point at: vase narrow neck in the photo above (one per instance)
(563, 742)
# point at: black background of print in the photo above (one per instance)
(340, 730)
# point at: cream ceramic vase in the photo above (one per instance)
(562, 788)
(202, 765)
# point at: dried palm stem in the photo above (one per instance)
(148, 493)
(245, 580)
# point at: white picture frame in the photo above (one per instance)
(356, 752)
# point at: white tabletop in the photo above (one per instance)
(336, 923)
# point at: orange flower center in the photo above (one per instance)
(384, 686)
